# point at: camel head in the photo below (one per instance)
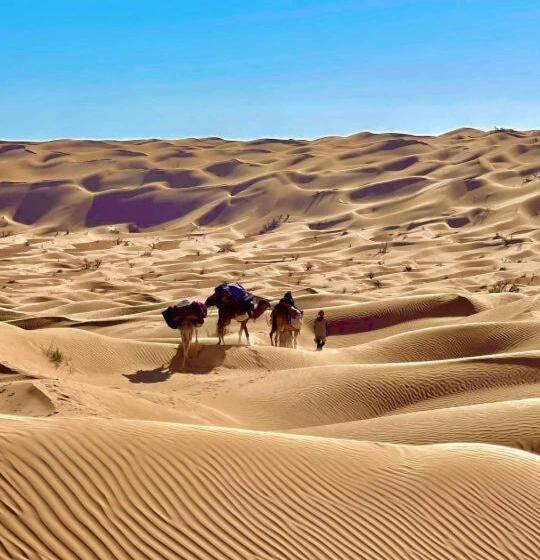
(261, 306)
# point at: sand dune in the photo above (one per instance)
(137, 489)
(414, 434)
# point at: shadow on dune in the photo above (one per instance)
(206, 360)
(156, 375)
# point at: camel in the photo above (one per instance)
(187, 328)
(227, 311)
(283, 332)
(186, 317)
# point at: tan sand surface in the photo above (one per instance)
(413, 435)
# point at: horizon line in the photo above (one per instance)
(250, 139)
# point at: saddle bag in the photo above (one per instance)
(171, 317)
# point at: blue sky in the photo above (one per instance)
(249, 68)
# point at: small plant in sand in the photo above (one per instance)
(530, 178)
(91, 265)
(273, 224)
(408, 268)
(54, 355)
(383, 249)
(377, 283)
(505, 240)
(226, 248)
(370, 275)
(308, 266)
(504, 286)
(501, 129)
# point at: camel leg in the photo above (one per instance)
(183, 354)
(221, 333)
(243, 327)
(187, 335)
(184, 357)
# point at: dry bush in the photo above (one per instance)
(383, 250)
(500, 129)
(54, 355)
(227, 248)
(91, 265)
(502, 286)
(274, 223)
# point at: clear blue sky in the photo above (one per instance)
(252, 68)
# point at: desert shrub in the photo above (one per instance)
(54, 355)
(503, 286)
(370, 275)
(308, 266)
(500, 129)
(383, 250)
(274, 223)
(226, 248)
(91, 265)
(133, 228)
(530, 178)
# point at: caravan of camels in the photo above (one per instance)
(234, 302)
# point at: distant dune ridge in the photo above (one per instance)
(413, 435)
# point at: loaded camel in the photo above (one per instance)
(233, 302)
(187, 318)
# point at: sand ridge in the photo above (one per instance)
(414, 434)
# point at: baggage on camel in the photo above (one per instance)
(234, 293)
(184, 310)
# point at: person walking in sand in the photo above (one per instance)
(319, 328)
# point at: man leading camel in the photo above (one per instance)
(320, 328)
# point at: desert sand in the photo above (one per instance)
(413, 435)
